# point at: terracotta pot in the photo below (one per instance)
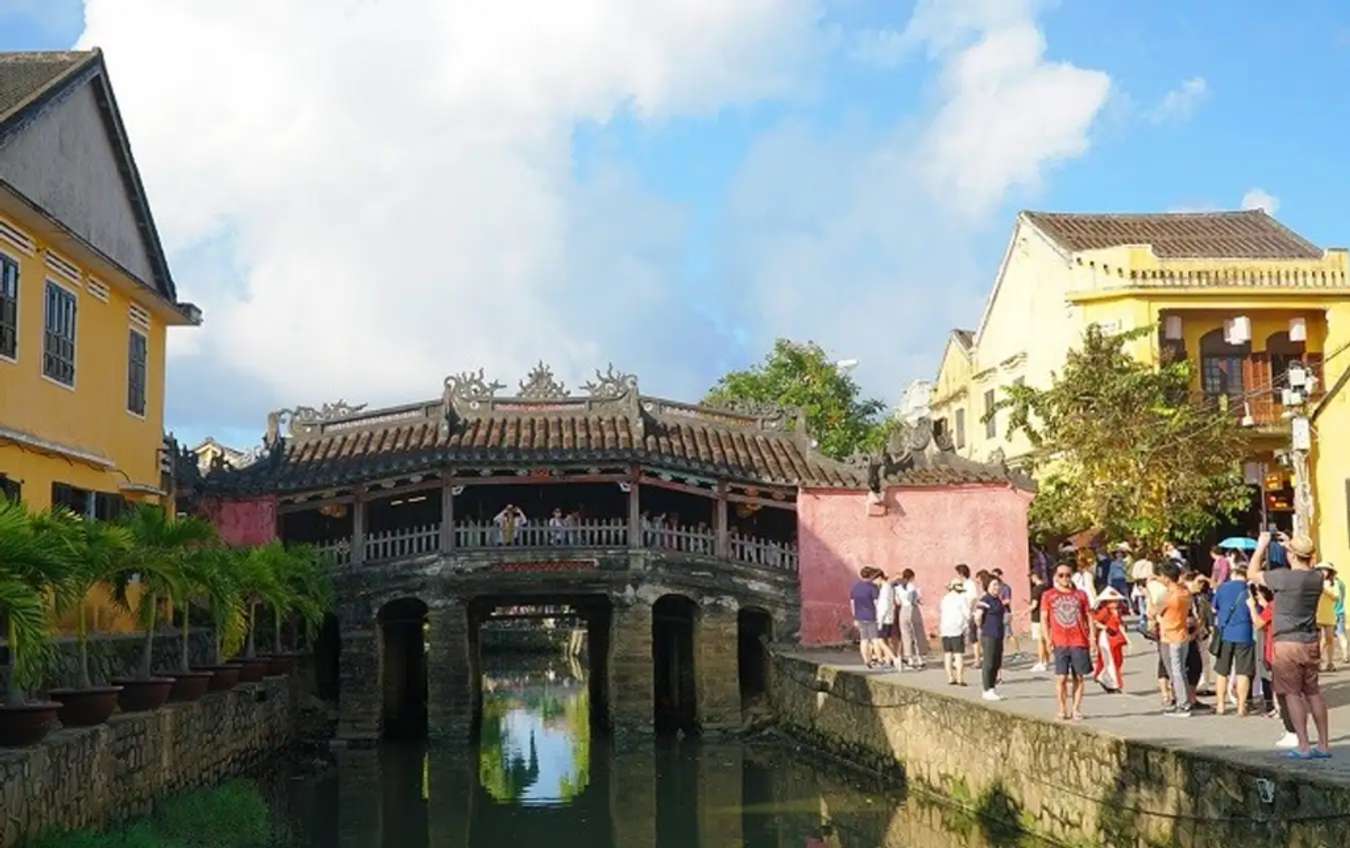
(27, 724)
(85, 707)
(251, 671)
(189, 685)
(280, 663)
(138, 696)
(223, 677)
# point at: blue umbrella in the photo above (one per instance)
(1240, 543)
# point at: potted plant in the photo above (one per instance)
(304, 576)
(189, 683)
(32, 568)
(160, 545)
(100, 552)
(216, 573)
(260, 571)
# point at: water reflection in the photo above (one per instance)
(538, 774)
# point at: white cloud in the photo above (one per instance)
(1259, 198)
(1181, 102)
(870, 243)
(365, 197)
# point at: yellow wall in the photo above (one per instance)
(93, 416)
(1331, 445)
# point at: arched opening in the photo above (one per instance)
(673, 619)
(403, 667)
(327, 655)
(1221, 366)
(754, 627)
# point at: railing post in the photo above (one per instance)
(634, 513)
(359, 527)
(447, 518)
(723, 549)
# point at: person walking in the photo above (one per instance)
(1261, 603)
(1339, 630)
(1174, 634)
(1235, 643)
(1326, 615)
(1202, 630)
(1297, 655)
(1005, 595)
(863, 597)
(909, 622)
(953, 625)
(1068, 632)
(1117, 572)
(886, 617)
(989, 616)
(971, 590)
(1042, 647)
(1220, 566)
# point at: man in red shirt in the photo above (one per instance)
(1066, 627)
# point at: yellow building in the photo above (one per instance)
(85, 293)
(1237, 293)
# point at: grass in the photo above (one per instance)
(232, 815)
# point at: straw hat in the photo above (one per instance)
(1143, 570)
(1108, 594)
(1300, 546)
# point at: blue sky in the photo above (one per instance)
(668, 192)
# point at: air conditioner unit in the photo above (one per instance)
(1298, 329)
(1172, 328)
(1237, 331)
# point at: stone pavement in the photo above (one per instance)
(1135, 713)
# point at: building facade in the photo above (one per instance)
(1236, 293)
(86, 296)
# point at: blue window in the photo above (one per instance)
(9, 307)
(58, 343)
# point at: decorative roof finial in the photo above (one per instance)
(539, 384)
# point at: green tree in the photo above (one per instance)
(801, 375)
(1124, 447)
(102, 553)
(34, 572)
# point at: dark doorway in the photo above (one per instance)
(753, 628)
(404, 667)
(673, 657)
(327, 655)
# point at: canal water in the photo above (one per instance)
(539, 776)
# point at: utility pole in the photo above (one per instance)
(1295, 399)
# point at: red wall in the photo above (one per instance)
(928, 530)
(252, 521)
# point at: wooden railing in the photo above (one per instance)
(403, 542)
(592, 533)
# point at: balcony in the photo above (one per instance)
(1253, 385)
(700, 540)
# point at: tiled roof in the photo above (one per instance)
(25, 75)
(1246, 234)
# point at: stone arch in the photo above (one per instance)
(675, 619)
(754, 627)
(401, 625)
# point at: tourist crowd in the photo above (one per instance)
(1254, 633)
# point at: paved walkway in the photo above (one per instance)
(1135, 713)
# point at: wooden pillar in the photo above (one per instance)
(359, 527)
(720, 523)
(447, 518)
(634, 512)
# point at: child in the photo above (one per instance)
(1112, 640)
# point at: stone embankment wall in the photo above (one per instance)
(90, 777)
(119, 655)
(1074, 786)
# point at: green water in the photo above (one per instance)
(540, 777)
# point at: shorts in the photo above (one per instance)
(1236, 658)
(1294, 671)
(887, 630)
(953, 644)
(1035, 631)
(1077, 660)
(1340, 625)
(1195, 664)
(866, 629)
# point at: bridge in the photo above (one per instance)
(668, 528)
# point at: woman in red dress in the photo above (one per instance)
(1111, 640)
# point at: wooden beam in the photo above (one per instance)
(720, 523)
(317, 504)
(634, 510)
(770, 502)
(447, 517)
(648, 480)
(358, 555)
(524, 480)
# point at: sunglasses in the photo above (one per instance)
(1064, 574)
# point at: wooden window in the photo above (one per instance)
(1221, 366)
(104, 506)
(990, 417)
(136, 372)
(9, 307)
(9, 488)
(58, 346)
(960, 428)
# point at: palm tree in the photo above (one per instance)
(212, 574)
(160, 546)
(34, 568)
(260, 571)
(304, 576)
(102, 553)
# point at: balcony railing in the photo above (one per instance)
(592, 533)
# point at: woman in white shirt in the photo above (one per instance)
(909, 624)
(886, 615)
(954, 616)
